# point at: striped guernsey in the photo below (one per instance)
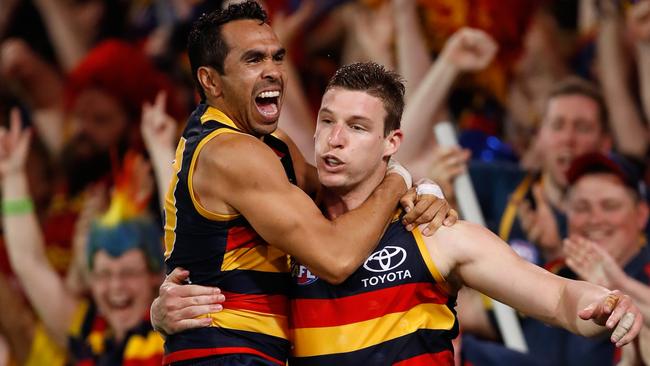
(394, 310)
(224, 251)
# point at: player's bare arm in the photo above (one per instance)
(252, 182)
(480, 260)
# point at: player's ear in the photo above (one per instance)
(210, 81)
(392, 142)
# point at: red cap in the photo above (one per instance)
(124, 72)
(593, 163)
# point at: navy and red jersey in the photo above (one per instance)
(224, 251)
(394, 310)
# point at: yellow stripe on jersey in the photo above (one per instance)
(213, 114)
(426, 256)
(170, 200)
(197, 205)
(262, 258)
(139, 347)
(250, 321)
(352, 337)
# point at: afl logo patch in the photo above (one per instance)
(301, 275)
(390, 257)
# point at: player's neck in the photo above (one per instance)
(338, 201)
(235, 117)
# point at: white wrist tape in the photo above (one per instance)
(395, 167)
(430, 188)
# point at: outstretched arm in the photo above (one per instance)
(25, 245)
(484, 262)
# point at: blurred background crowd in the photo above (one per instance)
(94, 93)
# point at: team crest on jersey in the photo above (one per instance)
(301, 275)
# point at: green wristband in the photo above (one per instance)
(19, 206)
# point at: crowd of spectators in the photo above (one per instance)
(550, 99)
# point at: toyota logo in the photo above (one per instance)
(386, 259)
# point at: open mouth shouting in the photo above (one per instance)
(268, 104)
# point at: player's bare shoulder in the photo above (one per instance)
(239, 163)
(234, 153)
(453, 245)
